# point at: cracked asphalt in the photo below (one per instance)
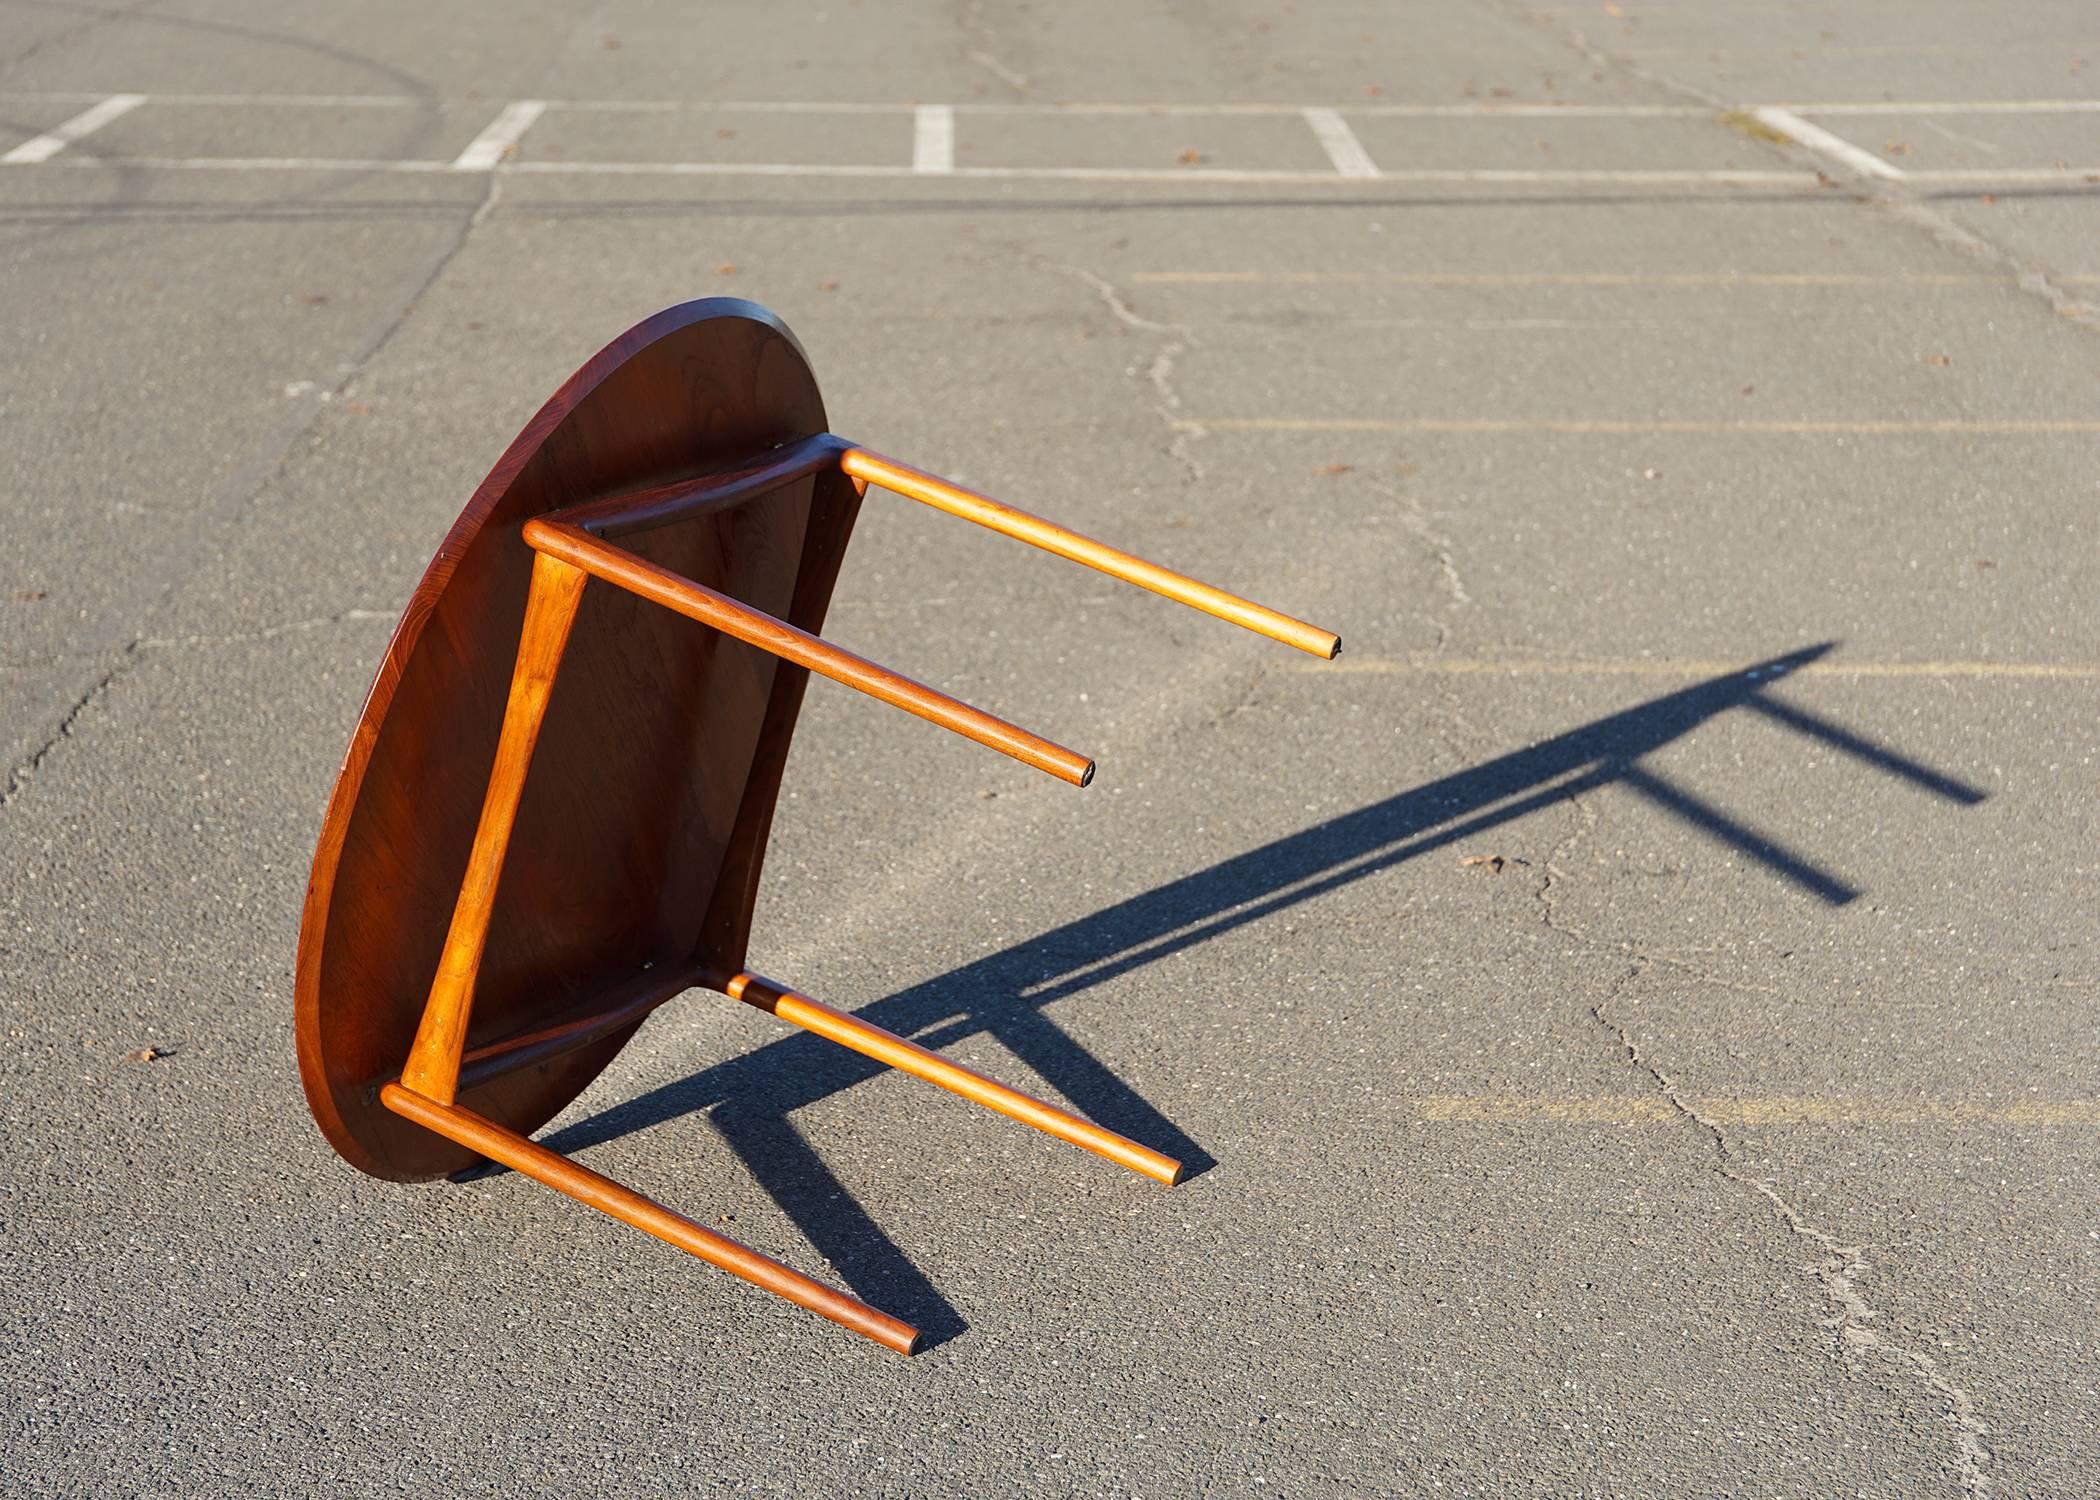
(1634, 1014)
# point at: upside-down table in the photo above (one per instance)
(478, 943)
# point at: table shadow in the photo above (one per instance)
(751, 1097)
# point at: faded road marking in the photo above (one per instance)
(1982, 428)
(933, 139)
(1567, 278)
(43, 147)
(1954, 107)
(1484, 177)
(501, 137)
(1340, 143)
(1823, 143)
(1481, 109)
(1783, 1109)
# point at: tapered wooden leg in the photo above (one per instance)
(717, 611)
(930, 489)
(550, 609)
(629, 1207)
(910, 1057)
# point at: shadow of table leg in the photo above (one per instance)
(841, 1231)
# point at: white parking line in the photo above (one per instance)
(1483, 109)
(933, 138)
(1958, 176)
(862, 107)
(1340, 143)
(322, 101)
(1453, 175)
(1954, 107)
(1206, 176)
(1383, 111)
(485, 154)
(501, 137)
(934, 147)
(1821, 141)
(86, 123)
(1986, 427)
(1557, 278)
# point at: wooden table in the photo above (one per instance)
(477, 942)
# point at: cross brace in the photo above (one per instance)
(570, 549)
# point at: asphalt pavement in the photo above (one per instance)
(1633, 1014)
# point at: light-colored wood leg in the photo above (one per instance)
(718, 611)
(930, 489)
(629, 1207)
(910, 1057)
(432, 1070)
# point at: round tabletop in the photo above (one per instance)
(645, 813)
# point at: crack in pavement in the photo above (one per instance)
(1667, 960)
(1018, 82)
(271, 632)
(278, 447)
(1550, 873)
(96, 17)
(1159, 374)
(1841, 1265)
(18, 775)
(977, 35)
(235, 638)
(1242, 700)
(1889, 196)
(1839, 1270)
(1417, 523)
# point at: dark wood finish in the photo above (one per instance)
(599, 1016)
(640, 832)
(596, 831)
(660, 505)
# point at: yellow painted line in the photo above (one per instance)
(1692, 667)
(1955, 426)
(1553, 278)
(1648, 1109)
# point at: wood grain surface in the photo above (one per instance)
(643, 820)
